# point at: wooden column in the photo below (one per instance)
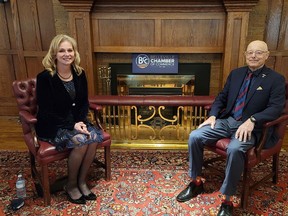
(80, 29)
(236, 32)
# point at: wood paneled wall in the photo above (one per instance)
(112, 29)
(27, 27)
(276, 35)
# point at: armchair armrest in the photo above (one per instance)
(281, 121)
(97, 110)
(95, 107)
(208, 107)
(27, 117)
(28, 121)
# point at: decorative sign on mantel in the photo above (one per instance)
(155, 63)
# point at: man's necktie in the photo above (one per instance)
(240, 102)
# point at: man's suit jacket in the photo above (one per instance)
(55, 105)
(265, 99)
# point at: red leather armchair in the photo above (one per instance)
(42, 153)
(256, 155)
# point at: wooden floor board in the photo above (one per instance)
(11, 136)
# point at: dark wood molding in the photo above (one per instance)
(148, 49)
(173, 6)
(239, 5)
(158, 6)
(76, 5)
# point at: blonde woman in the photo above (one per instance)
(62, 98)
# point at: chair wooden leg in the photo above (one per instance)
(32, 165)
(275, 167)
(245, 188)
(46, 185)
(37, 180)
(107, 153)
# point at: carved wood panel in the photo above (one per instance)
(125, 32)
(149, 32)
(199, 32)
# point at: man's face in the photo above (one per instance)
(256, 55)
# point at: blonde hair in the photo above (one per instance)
(49, 61)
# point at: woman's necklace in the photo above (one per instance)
(65, 78)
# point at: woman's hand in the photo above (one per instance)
(82, 128)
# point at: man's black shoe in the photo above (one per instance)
(191, 191)
(225, 210)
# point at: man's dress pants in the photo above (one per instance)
(235, 151)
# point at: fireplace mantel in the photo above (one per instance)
(114, 26)
(158, 5)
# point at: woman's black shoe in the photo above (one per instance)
(90, 196)
(80, 200)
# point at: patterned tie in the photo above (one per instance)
(240, 102)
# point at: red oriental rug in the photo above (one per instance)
(143, 183)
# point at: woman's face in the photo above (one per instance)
(65, 55)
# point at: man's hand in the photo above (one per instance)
(211, 120)
(244, 132)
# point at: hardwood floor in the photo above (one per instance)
(11, 136)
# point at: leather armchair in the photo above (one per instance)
(256, 155)
(42, 153)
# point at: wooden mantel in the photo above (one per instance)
(73, 5)
(127, 26)
(239, 5)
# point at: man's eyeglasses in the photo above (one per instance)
(256, 52)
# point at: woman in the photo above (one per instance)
(62, 98)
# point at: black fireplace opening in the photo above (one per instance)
(194, 75)
(155, 85)
(189, 74)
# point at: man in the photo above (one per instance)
(252, 95)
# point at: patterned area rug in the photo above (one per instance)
(143, 183)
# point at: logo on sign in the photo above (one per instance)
(142, 61)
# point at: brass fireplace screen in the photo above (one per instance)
(152, 110)
(151, 121)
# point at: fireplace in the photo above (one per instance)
(155, 85)
(192, 79)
